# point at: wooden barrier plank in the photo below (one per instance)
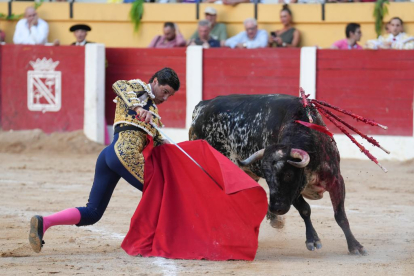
(341, 64)
(261, 72)
(250, 71)
(283, 53)
(14, 88)
(126, 64)
(374, 84)
(257, 63)
(369, 75)
(366, 55)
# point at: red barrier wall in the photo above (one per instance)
(375, 84)
(250, 71)
(15, 65)
(134, 63)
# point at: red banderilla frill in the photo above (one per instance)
(369, 139)
(364, 150)
(357, 117)
(335, 119)
(305, 103)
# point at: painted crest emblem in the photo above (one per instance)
(44, 86)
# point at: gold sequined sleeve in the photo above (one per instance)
(130, 92)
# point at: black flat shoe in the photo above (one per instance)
(36, 233)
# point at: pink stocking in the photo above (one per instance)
(66, 217)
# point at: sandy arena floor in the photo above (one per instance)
(42, 174)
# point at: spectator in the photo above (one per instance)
(353, 35)
(235, 2)
(229, 2)
(250, 39)
(387, 28)
(397, 39)
(288, 36)
(307, 1)
(80, 31)
(2, 36)
(31, 29)
(204, 38)
(171, 38)
(218, 30)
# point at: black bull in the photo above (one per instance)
(259, 133)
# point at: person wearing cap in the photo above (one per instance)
(218, 30)
(80, 31)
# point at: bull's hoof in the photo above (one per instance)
(359, 251)
(275, 220)
(311, 246)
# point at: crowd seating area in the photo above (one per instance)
(320, 24)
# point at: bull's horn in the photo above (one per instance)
(252, 158)
(299, 154)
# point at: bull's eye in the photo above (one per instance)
(288, 176)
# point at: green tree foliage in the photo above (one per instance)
(380, 10)
(18, 16)
(136, 12)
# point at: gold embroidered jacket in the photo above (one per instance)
(131, 94)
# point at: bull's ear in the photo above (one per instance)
(252, 158)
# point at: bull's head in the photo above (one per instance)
(283, 169)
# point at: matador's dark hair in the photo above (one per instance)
(167, 76)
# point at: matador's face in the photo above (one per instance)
(161, 92)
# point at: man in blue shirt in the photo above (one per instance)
(251, 38)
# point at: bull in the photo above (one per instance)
(260, 135)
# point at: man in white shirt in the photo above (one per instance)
(250, 39)
(31, 29)
(396, 39)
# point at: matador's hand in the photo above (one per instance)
(145, 115)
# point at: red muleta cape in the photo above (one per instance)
(184, 214)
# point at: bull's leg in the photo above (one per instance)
(312, 239)
(337, 194)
